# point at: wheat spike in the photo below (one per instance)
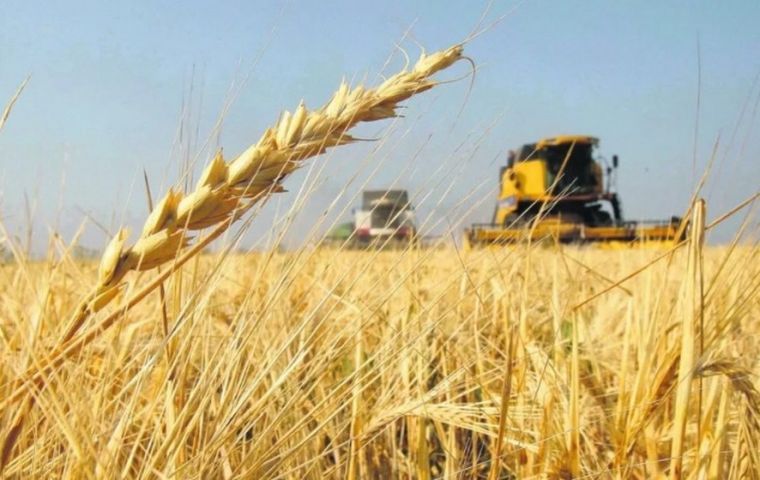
(226, 190)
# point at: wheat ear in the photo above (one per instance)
(226, 190)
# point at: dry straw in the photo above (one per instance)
(693, 300)
(12, 102)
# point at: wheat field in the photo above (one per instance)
(163, 360)
(335, 364)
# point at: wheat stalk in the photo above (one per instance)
(9, 106)
(692, 299)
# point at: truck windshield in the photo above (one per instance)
(388, 217)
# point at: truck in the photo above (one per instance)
(385, 218)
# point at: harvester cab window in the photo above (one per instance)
(578, 175)
(511, 156)
(527, 152)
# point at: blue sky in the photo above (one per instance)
(112, 82)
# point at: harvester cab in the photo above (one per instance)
(552, 169)
(559, 188)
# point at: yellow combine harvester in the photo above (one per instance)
(555, 189)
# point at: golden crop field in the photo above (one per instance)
(537, 360)
(405, 364)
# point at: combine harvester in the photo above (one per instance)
(555, 190)
(385, 219)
